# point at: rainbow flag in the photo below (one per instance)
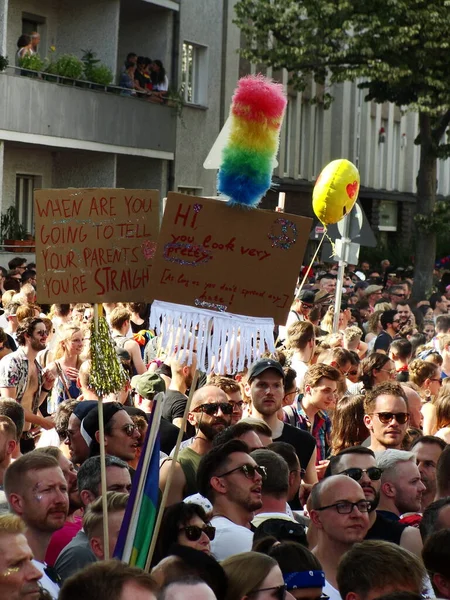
(133, 543)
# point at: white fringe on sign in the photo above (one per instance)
(224, 342)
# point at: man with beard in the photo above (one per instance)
(339, 514)
(359, 463)
(265, 386)
(427, 450)
(18, 576)
(401, 486)
(73, 523)
(22, 377)
(390, 322)
(232, 481)
(210, 414)
(37, 492)
(387, 416)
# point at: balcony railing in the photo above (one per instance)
(45, 104)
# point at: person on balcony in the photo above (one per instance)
(24, 47)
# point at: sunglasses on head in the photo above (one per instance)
(213, 408)
(279, 592)
(374, 473)
(387, 417)
(194, 532)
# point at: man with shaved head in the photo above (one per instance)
(339, 512)
(210, 413)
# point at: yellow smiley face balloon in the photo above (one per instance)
(336, 191)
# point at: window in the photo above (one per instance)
(190, 190)
(25, 186)
(194, 74)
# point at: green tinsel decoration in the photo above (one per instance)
(107, 374)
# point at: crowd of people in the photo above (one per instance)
(320, 471)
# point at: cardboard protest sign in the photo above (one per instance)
(226, 258)
(95, 245)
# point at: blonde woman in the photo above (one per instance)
(66, 365)
(427, 376)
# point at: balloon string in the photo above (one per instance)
(332, 244)
(312, 261)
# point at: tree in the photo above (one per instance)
(400, 51)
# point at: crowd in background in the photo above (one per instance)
(320, 471)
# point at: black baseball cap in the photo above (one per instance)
(262, 365)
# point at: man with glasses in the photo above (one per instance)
(121, 434)
(359, 463)
(339, 513)
(234, 394)
(232, 481)
(396, 294)
(23, 379)
(210, 414)
(386, 416)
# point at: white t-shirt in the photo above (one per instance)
(230, 538)
(300, 368)
(49, 585)
(331, 591)
(261, 517)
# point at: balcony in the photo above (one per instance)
(69, 116)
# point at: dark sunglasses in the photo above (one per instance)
(213, 408)
(387, 417)
(249, 471)
(194, 532)
(279, 592)
(374, 473)
(129, 429)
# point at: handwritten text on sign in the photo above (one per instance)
(95, 245)
(229, 259)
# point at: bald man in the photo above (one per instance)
(210, 413)
(339, 512)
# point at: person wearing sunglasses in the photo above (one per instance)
(232, 481)
(210, 414)
(184, 524)
(359, 463)
(386, 416)
(121, 434)
(234, 394)
(339, 515)
(254, 576)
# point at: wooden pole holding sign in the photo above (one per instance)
(162, 506)
(101, 426)
(345, 244)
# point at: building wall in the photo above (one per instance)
(200, 23)
(89, 25)
(24, 160)
(3, 26)
(83, 169)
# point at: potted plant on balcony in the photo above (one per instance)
(68, 66)
(13, 234)
(3, 63)
(95, 72)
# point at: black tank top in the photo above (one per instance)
(384, 529)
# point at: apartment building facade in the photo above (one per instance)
(57, 135)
